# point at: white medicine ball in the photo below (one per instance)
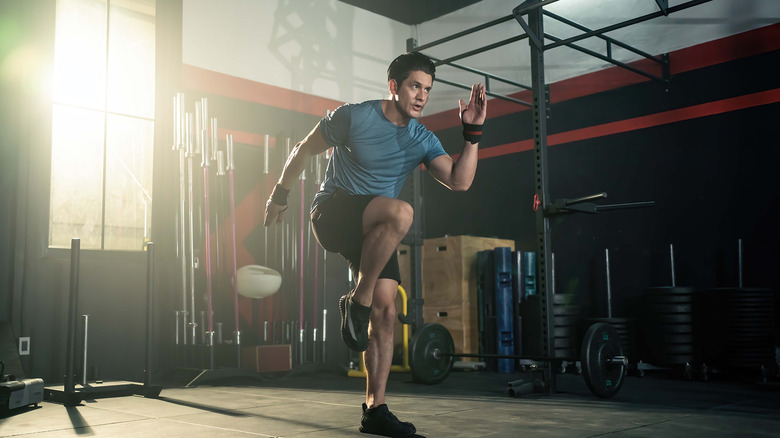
(255, 281)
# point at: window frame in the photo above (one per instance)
(106, 114)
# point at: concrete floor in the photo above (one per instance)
(326, 403)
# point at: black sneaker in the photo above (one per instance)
(354, 323)
(380, 421)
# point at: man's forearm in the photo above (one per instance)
(465, 167)
(293, 167)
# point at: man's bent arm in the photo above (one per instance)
(456, 175)
(310, 146)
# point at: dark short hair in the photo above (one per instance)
(408, 62)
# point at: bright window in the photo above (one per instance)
(103, 124)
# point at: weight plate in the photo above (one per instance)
(671, 318)
(672, 338)
(758, 308)
(669, 308)
(673, 349)
(560, 332)
(560, 310)
(754, 349)
(750, 328)
(566, 299)
(741, 291)
(669, 328)
(614, 322)
(765, 298)
(667, 299)
(751, 331)
(600, 344)
(565, 321)
(564, 342)
(665, 291)
(428, 367)
(679, 290)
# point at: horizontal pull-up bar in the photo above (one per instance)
(438, 62)
(529, 5)
(604, 37)
(520, 10)
(498, 96)
(608, 59)
(464, 33)
(483, 49)
(646, 17)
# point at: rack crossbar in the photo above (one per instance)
(623, 24)
(482, 49)
(604, 37)
(608, 59)
(437, 62)
(464, 33)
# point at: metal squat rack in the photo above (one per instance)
(530, 16)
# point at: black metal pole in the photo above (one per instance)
(415, 255)
(415, 251)
(544, 243)
(149, 311)
(70, 353)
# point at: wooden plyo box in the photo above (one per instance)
(267, 358)
(450, 285)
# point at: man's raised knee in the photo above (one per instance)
(388, 212)
(405, 216)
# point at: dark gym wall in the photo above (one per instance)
(704, 148)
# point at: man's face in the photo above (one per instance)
(412, 95)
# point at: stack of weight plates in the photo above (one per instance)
(566, 314)
(740, 324)
(626, 329)
(667, 323)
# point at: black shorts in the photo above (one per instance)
(337, 224)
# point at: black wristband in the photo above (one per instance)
(472, 133)
(279, 195)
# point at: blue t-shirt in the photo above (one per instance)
(371, 155)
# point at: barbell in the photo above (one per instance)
(432, 353)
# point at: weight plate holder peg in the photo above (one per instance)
(433, 352)
(603, 363)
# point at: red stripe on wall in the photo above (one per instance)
(251, 91)
(666, 117)
(506, 149)
(750, 43)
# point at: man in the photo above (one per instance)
(376, 145)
